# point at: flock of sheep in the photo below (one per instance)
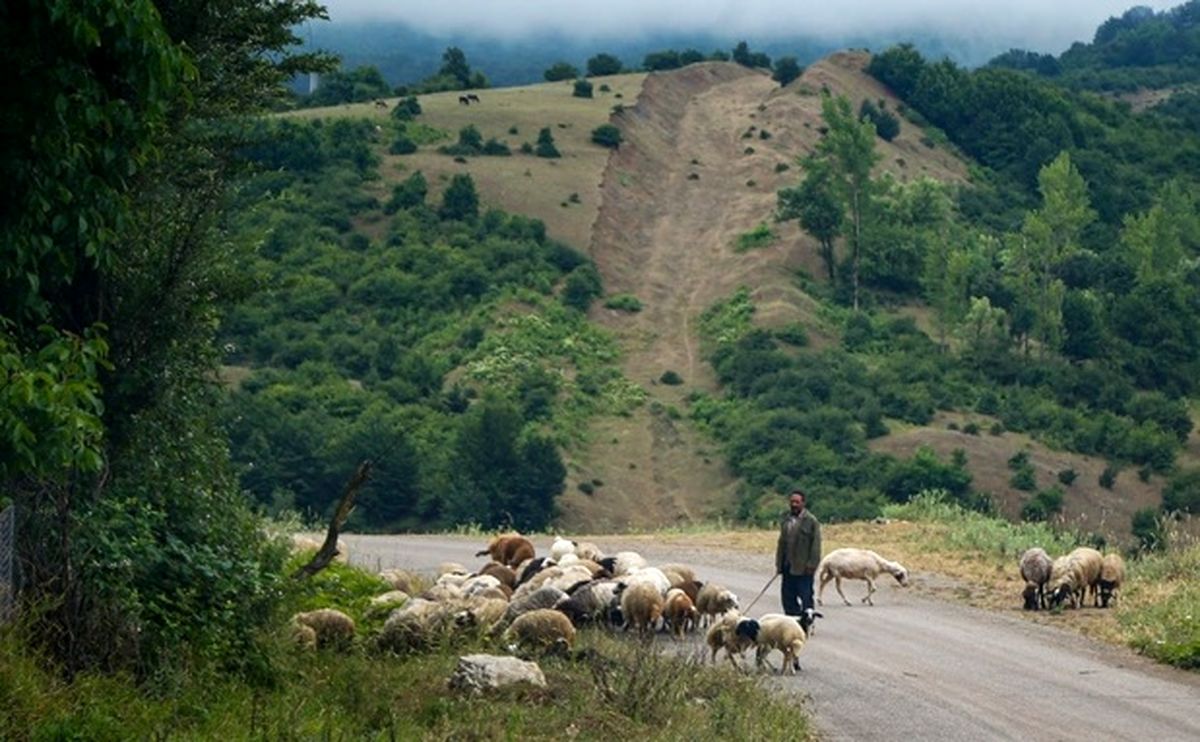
(1069, 578)
(538, 602)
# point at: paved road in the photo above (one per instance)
(912, 668)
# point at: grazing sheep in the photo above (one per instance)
(622, 563)
(332, 627)
(1035, 570)
(691, 588)
(648, 575)
(1067, 581)
(479, 583)
(714, 600)
(641, 606)
(509, 549)
(560, 548)
(590, 602)
(387, 601)
(505, 574)
(485, 614)
(544, 597)
(591, 566)
(304, 636)
(411, 627)
(543, 628)
(1090, 562)
(1112, 574)
(527, 569)
(856, 564)
(452, 568)
(569, 577)
(442, 593)
(678, 573)
(679, 613)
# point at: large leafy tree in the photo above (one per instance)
(816, 205)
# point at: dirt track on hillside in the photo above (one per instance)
(920, 669)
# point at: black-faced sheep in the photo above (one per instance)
(332, 627)
(509, 549)
(622, 563)
(679, 613)
(641, 606)
(775, 631)
(1090, 562)
(546, 596)
(589, 603)
(856, 564)
(484, 614)
(1112, 574)
(714, 600)
(1067, 582)
(723, 635)
(527, 569)
(542, 628)
(1035, 567)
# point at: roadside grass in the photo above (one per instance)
(608, 687)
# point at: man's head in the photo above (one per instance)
(796, 502)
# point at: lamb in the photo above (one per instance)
(509, 549)
(857, 564)
(714, 600)
(788, 634)
(544, 597)
(1035, 570)
(1112, 574)
(641, 606)
(622, 563)
(331, 626)
(543, 628)
(679, 613)
(723, 635)
(1066, 582)
(1090, 562)
(304, 636)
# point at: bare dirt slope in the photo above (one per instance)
(914, 668)
(705, 151)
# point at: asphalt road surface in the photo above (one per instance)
(912, 668)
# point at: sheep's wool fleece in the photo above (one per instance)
(477, 673)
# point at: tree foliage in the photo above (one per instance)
(603, 64)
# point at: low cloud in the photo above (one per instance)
(1036, 23)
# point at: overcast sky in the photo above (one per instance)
(1045, 24)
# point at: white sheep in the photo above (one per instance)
(723, 635)
(648, 575)
(546, 596)
(483, 613)
(1090, 562)
(856, 564)
(713, 601)
(1067, 581)
(561, 548)
(1112, 574)
(1035, 567)
(400, 579)
(588, 551)
(775, 631)
(479, 583)
(641, 606)
(678, 573)
(622, 563)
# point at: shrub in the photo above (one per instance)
(971, 428)
(607, 135)
(496, 148)
(1018, 460)
(581, 287)
(1147, 527)
(604, 88)
(1068, 476)
(782, 167)
(1043, 505)
(407, 194)
(764, 135)
(402, 145)
(671, 378)
(1182, 493)
(527, 149)
(560, 71)
(1108, 477)
(583, 89)
(793, 334)
(997, 428)
(760, 236)
(787, 69)
(545, 144)
(586, 488)
(603, 64)
(406, 109)
(460, 201)
(1024, 478)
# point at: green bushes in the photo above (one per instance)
(761, 236)
(624, 303)
(1042, 506)
(545, 144)
(607, 135)
(582, 89)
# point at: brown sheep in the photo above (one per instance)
(543, 628)
(509, 549)
(332, 627)
(642, 606)
(505, 574)
(679, 613)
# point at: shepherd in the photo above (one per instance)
(797, 555)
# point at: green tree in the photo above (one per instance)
(951, 262)
(1049, 236)
(408, 194)
(454, 65)
(603, 64)
(787, 69)
(583, 89)
(560, 71)
(849, 153)
(821, 213)
(545, 144)
(607, 135)
(460, 201)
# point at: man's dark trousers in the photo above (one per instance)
(797, 593)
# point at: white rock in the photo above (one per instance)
(477, 673)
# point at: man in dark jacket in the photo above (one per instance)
(797, 555)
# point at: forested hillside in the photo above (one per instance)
(452, 350)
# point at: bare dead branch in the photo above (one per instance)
(328, 549)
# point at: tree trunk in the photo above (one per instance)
(328, 549)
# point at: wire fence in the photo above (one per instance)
(8, 576)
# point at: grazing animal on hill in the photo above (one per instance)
(473, 98)
(464, 100)
(509, 549)
(1035, 570)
